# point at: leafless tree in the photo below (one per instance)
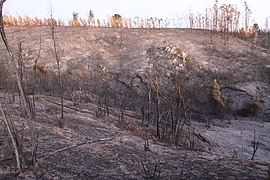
(167, 100)
(227, 18)
(24, 98)
(57, 55)
(215, 16)
(247, 16)
(155, 85)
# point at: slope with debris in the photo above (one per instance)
(102, 147)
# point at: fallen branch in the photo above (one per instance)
(199, 136)
(75, 109)
(236, 89)
(129, 114)
(74, 145)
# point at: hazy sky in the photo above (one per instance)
(129, 8)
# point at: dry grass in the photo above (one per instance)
(225, 18)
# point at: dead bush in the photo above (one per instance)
(251, 109)
(41, 68)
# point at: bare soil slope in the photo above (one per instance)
(237, 64)
(106, 148)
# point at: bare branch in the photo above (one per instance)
(25, 100)
(75, 145)
(13, 137)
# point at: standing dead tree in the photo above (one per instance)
(24, 98)
(91, 19)
(57, 56)
(167, 93)
(247, 16)
(215, 16)
(229, 18)
(155, 85)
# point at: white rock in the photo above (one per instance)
(167, 49)
(175, 62)
(184, 56)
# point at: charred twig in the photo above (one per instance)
(199, 136)
(145, 170)
(255, 144)
(148, 175)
